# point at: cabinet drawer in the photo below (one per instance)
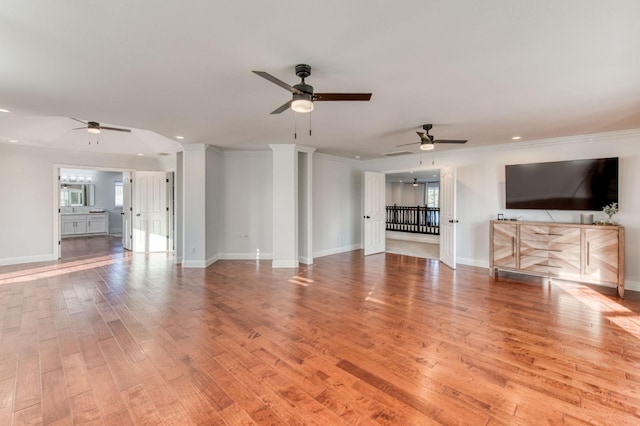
(534, 233)
(564, 251)
(533, 245)
(561, 234)
(565, 268)
(531, 263)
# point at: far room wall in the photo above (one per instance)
(27, 175)
(480, 187)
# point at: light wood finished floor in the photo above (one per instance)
(413, 248)
(119, 339)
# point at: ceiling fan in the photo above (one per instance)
(303, 95)
(95, 127)
(427, 141)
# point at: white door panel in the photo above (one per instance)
(151, 215)
(374, 212)
(448, 216)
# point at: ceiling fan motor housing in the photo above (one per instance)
(304, 88)
(303, 70)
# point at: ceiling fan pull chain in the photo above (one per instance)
(309, 124)
(295, 125)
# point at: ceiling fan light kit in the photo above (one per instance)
(93, 127)
(302, 103)
(427, 146)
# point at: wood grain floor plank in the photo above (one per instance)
(27, 383)
(55, 404)
(85, 410)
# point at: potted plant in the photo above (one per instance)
(610, 210)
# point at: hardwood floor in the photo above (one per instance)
(387, 339)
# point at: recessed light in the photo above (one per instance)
(13, 141)
(4, 110)
(179, 137)
(140, 154)
(515, 138)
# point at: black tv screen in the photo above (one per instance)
(562, 185)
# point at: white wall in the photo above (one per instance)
(247, 200)
(481, 187)
(337, 204)
(28, 211)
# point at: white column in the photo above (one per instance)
(198, 195)
(285, 205)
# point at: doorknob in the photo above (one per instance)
(367, 217)
(453, 220)
(137, 214)
(121, 213)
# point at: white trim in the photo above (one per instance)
(284, 264)
(632, 285)
(200, 263)
(473, 262)
(306, 260)
(28, 259)
(337, 250)
(246, 256)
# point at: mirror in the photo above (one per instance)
(77, 194)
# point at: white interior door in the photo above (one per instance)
(448, 216)
(374, 212)
(127, 212)
(150, 224)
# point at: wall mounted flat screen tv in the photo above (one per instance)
(562, 185)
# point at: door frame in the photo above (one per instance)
(57, 216)
(426, 168)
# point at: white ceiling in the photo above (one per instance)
(478, 70)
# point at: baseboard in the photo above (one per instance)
(337, 250)
(246, 256)
(472, 262)
(284, 264)
(28, 259)
(177, 260)
(200, 263)
(418, 238)
(306, 260)
(632, 285)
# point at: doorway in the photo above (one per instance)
(96, 211)
(413, 213)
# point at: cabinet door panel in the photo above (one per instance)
(68, 227)
(504, 245)
(601, 257)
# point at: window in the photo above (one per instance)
(433, 194)
(119, 193)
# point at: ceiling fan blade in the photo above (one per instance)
(449, 141)
(277, 81)
(407, 144)
(341, 96)
(117, 129)
(79, 121)
(282, 108)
